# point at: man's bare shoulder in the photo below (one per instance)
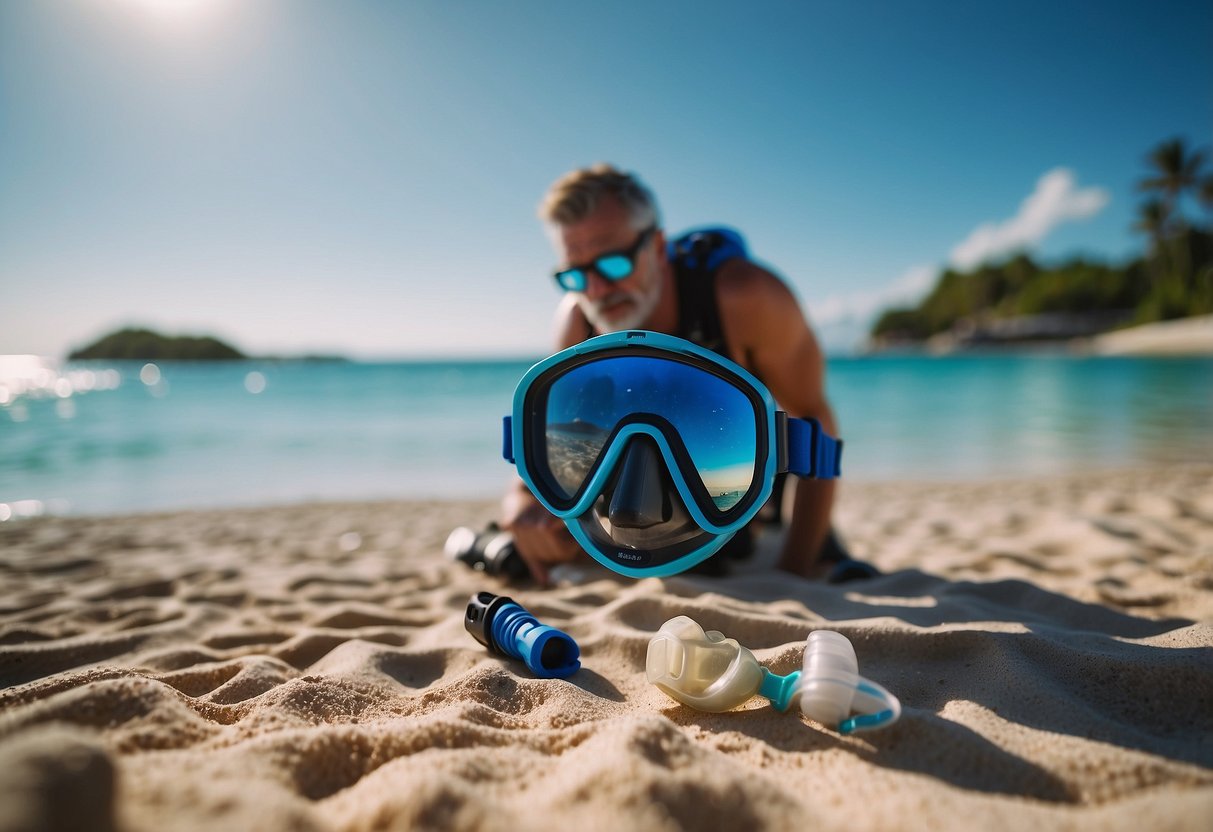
(747, 291)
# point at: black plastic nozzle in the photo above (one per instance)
(491, 551)
(503, 626)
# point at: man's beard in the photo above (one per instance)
(643, 304)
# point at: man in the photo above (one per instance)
(600, 210)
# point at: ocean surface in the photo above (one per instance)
(105, 438)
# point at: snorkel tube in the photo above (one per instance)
(503, 626)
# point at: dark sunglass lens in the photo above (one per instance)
(614, 266)
(571, 280)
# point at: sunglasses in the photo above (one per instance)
(614, 265)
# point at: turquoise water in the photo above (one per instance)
(215, 435)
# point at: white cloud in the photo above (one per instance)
(862, 306)
(1055, 201)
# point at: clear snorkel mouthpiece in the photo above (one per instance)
(709, 672)
(701, 669)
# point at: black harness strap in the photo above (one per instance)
(698, 312)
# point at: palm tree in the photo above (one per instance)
(1175, 172)
(1152, 220)
(1206, 192)
(1178, 264)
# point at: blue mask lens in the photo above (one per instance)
(714, 421)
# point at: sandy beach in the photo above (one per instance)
(307, 668)
(1187, 336)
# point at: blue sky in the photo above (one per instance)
(362, 177)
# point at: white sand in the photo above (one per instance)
(307, 668)
(1187, 336)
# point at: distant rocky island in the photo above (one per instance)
(134, 344)
(146, 345)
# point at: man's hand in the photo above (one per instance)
(541, 539)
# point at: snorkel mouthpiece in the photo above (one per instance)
(503, 626)
(710, 672)
(704, 670)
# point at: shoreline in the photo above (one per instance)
(1180, 338)
(24, 510)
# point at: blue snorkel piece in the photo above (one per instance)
(779, 689)
(784, 444)
(783, 690)
(503, 626)
(866, 722)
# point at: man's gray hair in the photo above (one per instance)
(575, 195)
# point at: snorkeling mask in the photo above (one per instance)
(654, 451)
(710, 672)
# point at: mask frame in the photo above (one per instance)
(783, 443)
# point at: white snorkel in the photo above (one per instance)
(710, 672)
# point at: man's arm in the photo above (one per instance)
(769, 335)
(541, 539)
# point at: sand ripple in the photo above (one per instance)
(306, 668)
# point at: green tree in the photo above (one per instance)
(1173, 279)
(1205, 194)
(902, 325)
(1175, 172)
(1152, 221)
